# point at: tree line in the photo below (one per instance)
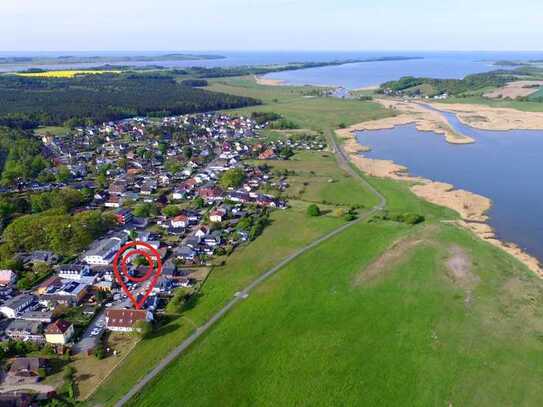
(27, 102)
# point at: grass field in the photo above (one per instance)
(62, 74)
(244, 265)
(347, 325)
(382, 314)
(538, 94)
(514, 104)
(54, 130)
(317, 178)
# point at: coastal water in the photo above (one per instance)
(432, 64)
(503, 166)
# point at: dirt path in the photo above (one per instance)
(459, 270)
(396, 254)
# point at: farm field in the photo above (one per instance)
(63, 74)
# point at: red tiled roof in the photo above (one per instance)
(58, 327)
(124, 318)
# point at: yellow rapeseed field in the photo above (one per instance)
(63, 74)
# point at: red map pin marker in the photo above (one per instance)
(153, 271)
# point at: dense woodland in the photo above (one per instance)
(20, 156)
(457, 87)
(220, 72)
(27, 102)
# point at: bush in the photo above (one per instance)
(409, 218)
(313, 210)
(143, 329)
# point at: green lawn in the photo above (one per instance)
(316, 113)
(411, 336)
(513, 104)
(54, 130)
(317, 178)
(538, 94)
(241, 268)
(312, 335)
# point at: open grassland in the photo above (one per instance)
(63, 74)
(54, 130)
(241, 268)
(381, 315)
(513, 104)
(316, 113)
(316, 177)
(290, 230)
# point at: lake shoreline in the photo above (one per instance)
(471, 207)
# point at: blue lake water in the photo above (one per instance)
(433, 64)
(503, 166)
(446, 65)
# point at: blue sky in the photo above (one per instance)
(35, 25)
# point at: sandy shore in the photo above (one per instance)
(493, 118)
(424, 118)
(471, 207)
(268, 82)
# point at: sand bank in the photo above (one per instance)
(493, 118)
(471, 207)
(424, 118)
(268, 82)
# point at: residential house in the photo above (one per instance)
(123, 320)
(21, 330)
(7, 277)
(25, 370)
(123, 216)
(180, 221)
(103, 251)
(13, 307)
(59, 332)
(70, 293)
(217, 215)
(73, 271)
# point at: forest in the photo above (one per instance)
(411, 85)
(20, 156)
(28, 102)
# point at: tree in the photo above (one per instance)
(142, 328)
(187, 152)
(313, 210)
(99, 351)
(145, 210)
(199, 202)
(68, 372)
(171, 210)
(232, 178)
(63, 173)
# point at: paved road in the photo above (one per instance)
(241, 295)
(36, 387)
(87, 341)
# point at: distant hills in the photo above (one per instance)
(70, 59)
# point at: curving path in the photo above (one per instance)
(241, 295)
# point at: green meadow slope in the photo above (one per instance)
(382, 314)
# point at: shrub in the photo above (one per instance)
(313, 210)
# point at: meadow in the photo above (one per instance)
(382, 314)
(375, 316)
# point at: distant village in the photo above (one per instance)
(184, 185)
